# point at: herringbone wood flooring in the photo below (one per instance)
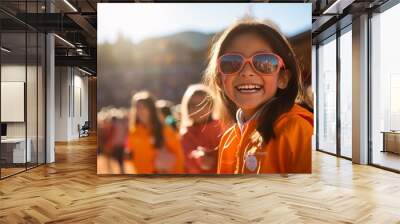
(69, 191)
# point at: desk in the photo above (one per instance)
(16, 148)
(391, 141)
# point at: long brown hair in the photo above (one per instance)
(284, 98)
(148, 101)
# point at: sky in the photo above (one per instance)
(139, 21)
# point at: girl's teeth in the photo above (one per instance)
(248, 88)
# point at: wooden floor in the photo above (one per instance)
(10, 171)
(69, 191)
(5, 172)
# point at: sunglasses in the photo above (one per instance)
(263, 63)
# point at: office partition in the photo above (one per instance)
(22, 87)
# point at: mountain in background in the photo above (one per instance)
(192, 39)
(163, 65)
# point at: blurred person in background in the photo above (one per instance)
(200, 131)
(164, 106)
(306, 99)
(112, 132)
(155, 147)
(176, 111)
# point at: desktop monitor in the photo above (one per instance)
(3, 129)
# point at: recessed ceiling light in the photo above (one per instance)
(84, 71)
(71, 6)
(64, 40)
(5, 50)
(338, 6)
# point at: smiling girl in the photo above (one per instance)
(254, 72)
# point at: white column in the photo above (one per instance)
(360, 90)
(50, 93)
(313, 86)
(50, 110)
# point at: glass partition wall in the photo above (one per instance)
(334, 94)
(385, 90)
(22, 88)
(326, 96)
(13, 110)
(345, 93)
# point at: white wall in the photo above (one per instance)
(61, 103)
(16, 73)
(71, 93)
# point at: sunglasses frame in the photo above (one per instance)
(249, 60)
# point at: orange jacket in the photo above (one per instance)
(289, 152)
(139, 142)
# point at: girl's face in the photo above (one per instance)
(248, 44)
(198, 109)
(142, 113)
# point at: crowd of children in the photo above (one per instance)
(154, 138)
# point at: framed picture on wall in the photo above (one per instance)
(204, 88)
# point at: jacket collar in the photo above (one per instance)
(240, 121)
(239, 115)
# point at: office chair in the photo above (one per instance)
(84, 130)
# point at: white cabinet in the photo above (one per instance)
(17, 145)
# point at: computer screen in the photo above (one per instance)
(3, 129)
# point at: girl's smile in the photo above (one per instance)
(249, 88)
